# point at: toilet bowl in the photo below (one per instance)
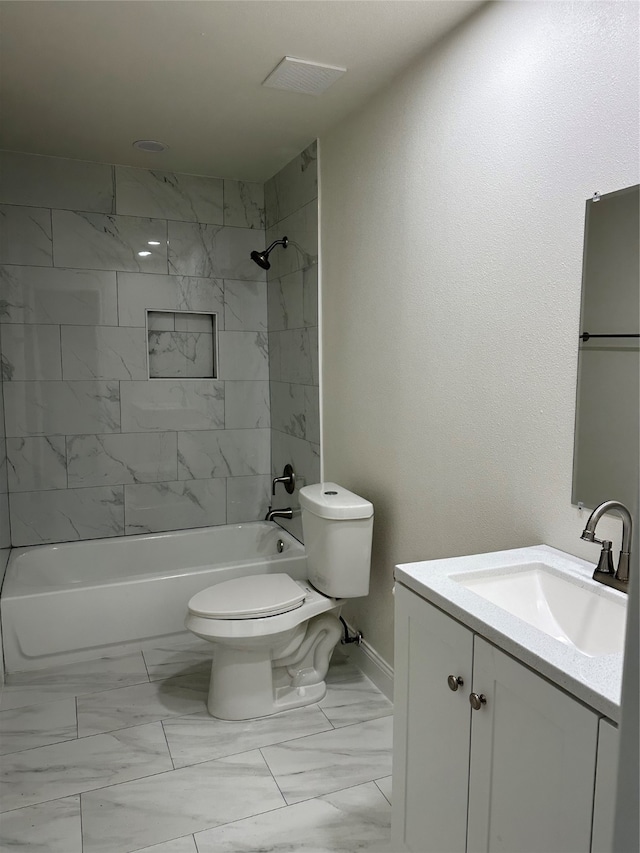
(272, 637)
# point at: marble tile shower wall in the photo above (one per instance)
(291, 204)
(95, 448)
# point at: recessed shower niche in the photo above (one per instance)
(182, 345)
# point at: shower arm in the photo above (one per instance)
(282, 242)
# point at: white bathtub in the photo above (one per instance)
(80, 600)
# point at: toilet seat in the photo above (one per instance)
(250, 597)
(227, 628)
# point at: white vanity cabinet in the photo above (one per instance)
(517, 775)
(606, 780)
(432, 728)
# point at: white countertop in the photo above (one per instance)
(596, 681)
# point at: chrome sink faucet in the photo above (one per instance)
(604, 570)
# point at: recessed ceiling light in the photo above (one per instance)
(144, 254)
(300, 75)
(150, 145)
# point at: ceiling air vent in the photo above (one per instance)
(300, 75)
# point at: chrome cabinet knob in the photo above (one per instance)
(477, 700)
(454, 681)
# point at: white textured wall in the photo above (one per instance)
(452, 215)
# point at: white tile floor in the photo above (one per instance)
(120, 755)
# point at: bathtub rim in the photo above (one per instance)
(12, 587)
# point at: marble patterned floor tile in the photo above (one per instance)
(193, 658)
(51, 772)
(52, 827)
(125, 817)
(356, 819)
(137, 705)
(322, 763)
(38, 686)
(352, 697)
(186, 844)
(37, 725)
(201, 737)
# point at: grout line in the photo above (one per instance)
(42, 746)
(375, 782)
(144, 661)
(327, 719)
(173, 764)
(87, 791)
(322, 794)
(240, 820)
(272, 776)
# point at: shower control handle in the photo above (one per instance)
(288, 480)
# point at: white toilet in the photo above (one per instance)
(273, 636)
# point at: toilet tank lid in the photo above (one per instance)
(328, 500)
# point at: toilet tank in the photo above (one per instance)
(337, 527)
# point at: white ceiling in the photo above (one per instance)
(86, 79)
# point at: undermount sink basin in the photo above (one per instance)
(589, 618)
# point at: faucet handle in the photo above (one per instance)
(605, 563)
(288, 479)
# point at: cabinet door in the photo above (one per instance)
(431, 728)
(532, 770)
(604, 804)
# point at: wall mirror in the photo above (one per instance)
(607, 431)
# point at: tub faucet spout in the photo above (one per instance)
(278, 513)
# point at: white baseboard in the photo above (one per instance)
(374, 666)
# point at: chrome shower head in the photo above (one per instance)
(262, 258)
